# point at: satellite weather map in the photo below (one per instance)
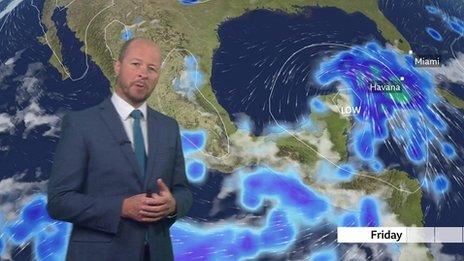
(300, 120)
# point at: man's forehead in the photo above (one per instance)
(140, 48)
(142, 41)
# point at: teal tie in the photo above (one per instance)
(139, 146)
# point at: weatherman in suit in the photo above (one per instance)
(118, 174)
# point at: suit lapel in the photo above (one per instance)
(153, 131)
(112, 120)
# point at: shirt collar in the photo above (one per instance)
(124, 109)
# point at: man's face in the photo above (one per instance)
(138, 72)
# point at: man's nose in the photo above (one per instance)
(143, 72)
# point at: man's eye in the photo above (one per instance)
(152, 69)
(136, 64)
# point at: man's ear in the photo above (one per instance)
(116, 66)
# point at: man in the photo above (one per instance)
(118, 174)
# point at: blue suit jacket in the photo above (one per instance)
(95, 169)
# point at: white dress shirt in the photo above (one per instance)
(124, 110)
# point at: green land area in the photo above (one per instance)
(337, 128)
(305, 153)
(407, 206)
(297, 150)
(453, 100)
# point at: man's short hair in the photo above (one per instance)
(123, 50)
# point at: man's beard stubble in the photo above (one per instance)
(126, 93)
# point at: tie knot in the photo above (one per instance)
(136, 114)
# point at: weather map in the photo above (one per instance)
(297, 117)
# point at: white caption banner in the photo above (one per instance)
(400, 235)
